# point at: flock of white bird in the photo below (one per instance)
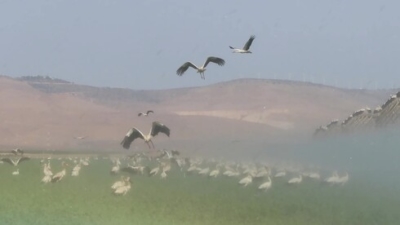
(140, 164)
(219, 61)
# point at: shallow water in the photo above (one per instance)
(371, 196)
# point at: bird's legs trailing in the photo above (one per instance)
(148, 145)
(152, 143)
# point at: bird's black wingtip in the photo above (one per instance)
(231, 47)
(125, 144)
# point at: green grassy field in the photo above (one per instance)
(88, 199)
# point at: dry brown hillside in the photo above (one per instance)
(48, 115)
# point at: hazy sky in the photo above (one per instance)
(140, 44)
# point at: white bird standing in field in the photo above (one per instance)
(16, 172)
(266, 185)
(280, 174)
(154, 171)
(262, 172)
(84, 162)
(342, 180)
(47, 173)
(120, 183)
(134, 133)
(204, 171)
(60, 175)
(296, 180)
(246, 181)
(214, 173)
(76, 170)
(181, 70)
(47, 170)
(122, 190)
(245, 48)
(231, 173)
(46, 179)
(332, 179)
(115, 169)
(191, 168)
(163, 174)
(314, 175)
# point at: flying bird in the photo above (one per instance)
(15, 163)
(17, 151)
(245, 48)
(134, 133)
(145, 113)
(200, 69)
(81, 137)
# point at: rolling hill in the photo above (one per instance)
(49, 113)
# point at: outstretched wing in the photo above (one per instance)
(158, 127)
(184, 67)
(249, 42)
(8, 160)
(149, 111)
(140, 114)
(215, 60)
(130, 137)
(22, 159)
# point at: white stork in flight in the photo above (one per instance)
(17, 151)
(200, 69)
(245, 48)
(81, 137)
(145, 113)
(134, 133)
